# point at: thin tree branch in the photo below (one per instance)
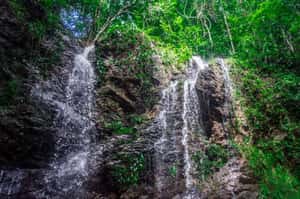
(110, 20)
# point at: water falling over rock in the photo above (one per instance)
(68, 170)
(75, 124)
(192, 121)
(178, 119)
(166, 146)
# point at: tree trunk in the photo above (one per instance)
(228, 32)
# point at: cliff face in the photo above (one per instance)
(13, 35)
(26, 124)
(14, 43)
(127, 86)
(18, 126)
(211, 89)
(234, 179)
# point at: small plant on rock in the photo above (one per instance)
(128, 172)
(213, 158)
(117, 127)
(173, 171)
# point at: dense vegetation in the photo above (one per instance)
(210, 160)
(261, 36)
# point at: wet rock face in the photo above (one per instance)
(164, 138)
(168, 170)
(14, 43)
(26, 124)
(27, 128)
(22, 125)
(211, 93)
(12, 33)
(122, 90)
(120, 93)
(232, 181)
(26, 139)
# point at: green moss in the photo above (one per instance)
(118, 128)
(38, 27)
(132, 53)
(18, 9)
(135, 119)
(100, 66)
(173, 171)
(9, 93)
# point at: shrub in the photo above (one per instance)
(118, 128)
(128, 171)
(9, 93)
(275, 181)
(213, 158)
(173, 171)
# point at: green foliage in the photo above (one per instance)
(38, 29)
(275, 180)
(38, 26)
(279, 183)
(10, 91)
(136, 119)
(132, 54)
(175, 39)
(173, 171)
(118, 128)
(101, 68)
(18, 8)
(128, 172)
(271, 104)
(213, 158)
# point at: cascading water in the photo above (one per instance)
(178, 119)
(192, 121)
(165, 145)
(69, 170)
(227, 88)
(75, 124)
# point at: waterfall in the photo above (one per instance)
(227, 89)
(75, 124)
(190, 114)
(179, 117)
(164, 145)
(69, 169)
(191, 118)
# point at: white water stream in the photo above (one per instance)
(165, 143)
(191, 117)
(179, 117)
(69, 169)
(73, 140)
